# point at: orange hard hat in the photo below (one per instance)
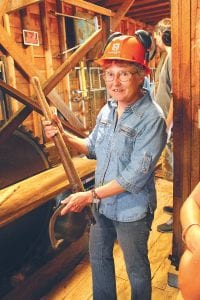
(125, 48)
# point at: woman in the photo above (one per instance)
(128, 138)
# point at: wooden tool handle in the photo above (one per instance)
(58, 140)
(66, 160)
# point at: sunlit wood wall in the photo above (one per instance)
(185, 16)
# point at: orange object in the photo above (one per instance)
(126, 48)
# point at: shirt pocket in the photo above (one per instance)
(126, 141)
(103, 130)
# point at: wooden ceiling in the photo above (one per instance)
(147, 11)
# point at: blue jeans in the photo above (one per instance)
(132, 237)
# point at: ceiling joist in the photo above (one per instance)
(89, 6)
(123, 9)
(159, 6)
(139, 6)
(148, 13)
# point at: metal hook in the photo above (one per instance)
(54, 242)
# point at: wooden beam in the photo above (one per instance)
(147, 13)
(25, 18)
(10, 68)
(156, 18)
(3, 6)
(11, 91)
(195, 90)
(91, 7)
(19, 4)
(152, 7)
(111, 3)
(72, 61)
(62, 36)
(44, 18)
(182, 73)
(17, 118)
(57, 101)
(150, 3)
(20, 116)
(123, 9)
(18, 199)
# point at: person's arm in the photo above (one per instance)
(78, 143)
(76, 202)
(190, 220)
(169, 119)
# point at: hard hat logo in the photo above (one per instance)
(115, 47)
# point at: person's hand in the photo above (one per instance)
(192, 239)
(51, 127)
(76, 202)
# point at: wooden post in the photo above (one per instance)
(185, 18)
(11, 77)
(63, 46)
(25, 20)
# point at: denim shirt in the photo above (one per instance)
(127, 150)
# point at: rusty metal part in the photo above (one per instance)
(66, 160)
(55, 13)
(54, 242)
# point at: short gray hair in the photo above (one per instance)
(141, 70)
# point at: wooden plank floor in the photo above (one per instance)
(77, 285)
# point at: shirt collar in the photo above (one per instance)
(135, 107)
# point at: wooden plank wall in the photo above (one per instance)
(185, 66)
